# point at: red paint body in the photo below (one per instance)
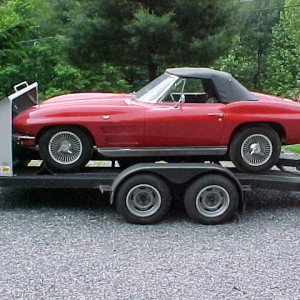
(119, 120)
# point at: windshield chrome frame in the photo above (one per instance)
(157, 92)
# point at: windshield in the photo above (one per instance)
(154, 90)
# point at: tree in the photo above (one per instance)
(44, 63)
(32, 49)
(17, 19)
(9, 47)
(150, 33)
(247, 59)
(284, 59)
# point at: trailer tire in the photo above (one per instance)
(211, 199)
(143, 199)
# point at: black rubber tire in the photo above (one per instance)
(86, 149)
(211, 199)
(269, 138)
(150, 191)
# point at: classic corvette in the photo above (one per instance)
(186, 114)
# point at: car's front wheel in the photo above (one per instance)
(255, 149)
(65, 148)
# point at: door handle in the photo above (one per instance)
(219, 115)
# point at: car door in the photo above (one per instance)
(192, 123)
(188, 125)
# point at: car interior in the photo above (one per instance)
(195, 90)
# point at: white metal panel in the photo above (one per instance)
(6, 152)
(26, 97)
(21, 92)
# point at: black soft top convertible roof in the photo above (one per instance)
(228, 88)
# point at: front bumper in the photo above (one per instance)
(24, 140)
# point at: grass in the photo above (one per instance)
(293, 148)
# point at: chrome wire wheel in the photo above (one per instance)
(65, 147)
(212, 201)
(143, 200)
(256, 149)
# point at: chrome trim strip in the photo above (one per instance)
(162, 151)
(23, 137)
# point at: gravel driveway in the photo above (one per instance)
(72, 245)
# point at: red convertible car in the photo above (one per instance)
(186, 114)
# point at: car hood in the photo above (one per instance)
(74, 104)
(85, 99)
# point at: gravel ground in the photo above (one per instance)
(69, 245)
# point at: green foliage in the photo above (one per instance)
(152, 34)
(247, 58)
(37, 53)
(112, 45)
(71, 79)
(284, 58)
(9, 47)
(149, 33)
(55, 76)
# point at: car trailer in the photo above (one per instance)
(143, 193)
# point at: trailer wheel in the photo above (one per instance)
(143, 199)
(65, 148)
(211, 199)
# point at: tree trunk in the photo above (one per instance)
(257, 74)
(152, 71)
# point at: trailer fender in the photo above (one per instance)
(177, 173)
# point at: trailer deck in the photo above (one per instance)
(90, 177)
(103, 177)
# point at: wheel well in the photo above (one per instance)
(64, 125)
(275, 126)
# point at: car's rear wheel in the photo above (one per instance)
(65, 148)
(255, 149)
